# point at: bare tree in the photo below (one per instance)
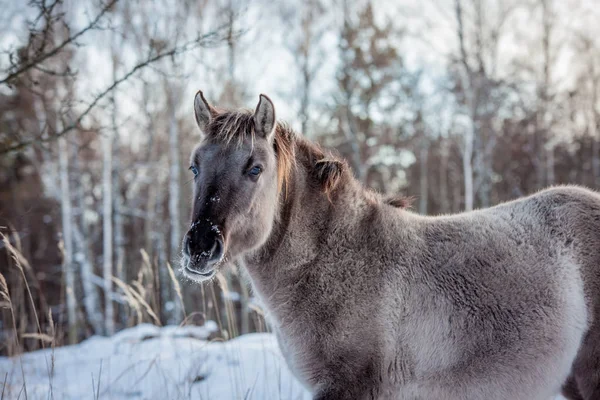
(443, 177)
(67, 233)
(40, 50)
(545, 170)
(107, 231)
(305, 44)
(371, 68)
(174, 184)
(49, 14)
(470, 89)
(423, 164)
(589, 84)
(483, 93)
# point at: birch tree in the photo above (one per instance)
(174, 187)
(118, 217)
(482, 92)
(470, 89)
(544, 158)
(81, 232)
(107, 231)
(67, 238)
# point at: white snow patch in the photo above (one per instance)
(148, 362)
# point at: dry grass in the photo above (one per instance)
(25, 308)
(177, 288)
(20, 325)
(32, 321)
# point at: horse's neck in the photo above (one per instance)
(304, 225)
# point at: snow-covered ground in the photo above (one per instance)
(147, 362)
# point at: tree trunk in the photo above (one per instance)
(595, 124)
(468, 166)
(351, 131)
(596, 157)
(107, 234)
(469, 88)
(423, 171)
(484, 161)
(67, 233)
(91, 302)
(456, 186)
(545, 173)
(174, 196)
(444, 199)
(305, 97)
(550, 164)
(119, 238)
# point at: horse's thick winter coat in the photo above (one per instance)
(371, 301)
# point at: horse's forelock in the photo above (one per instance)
(233, 127)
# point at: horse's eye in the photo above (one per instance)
(255, 171)
(194, 170)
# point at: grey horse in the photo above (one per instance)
(372, 301)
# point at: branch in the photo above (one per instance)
(204, 40)
(461, 36)
(71, 39)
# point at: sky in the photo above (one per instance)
(266, 65)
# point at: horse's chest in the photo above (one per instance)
(319, 357)
(302, 356)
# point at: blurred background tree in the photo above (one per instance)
(458, 103)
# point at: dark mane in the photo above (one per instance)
(327, 169)
(399, 201)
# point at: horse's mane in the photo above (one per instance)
(327, 168)
(399, 201)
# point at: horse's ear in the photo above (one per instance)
(264, 118)
(203, 111)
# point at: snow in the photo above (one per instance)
(148, 362)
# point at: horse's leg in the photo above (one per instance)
(570, 390)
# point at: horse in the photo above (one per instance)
(372, 301)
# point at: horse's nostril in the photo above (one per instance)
(186, 245)
(216, 252)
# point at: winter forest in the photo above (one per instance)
(458, 104)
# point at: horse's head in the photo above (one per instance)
(237, 179)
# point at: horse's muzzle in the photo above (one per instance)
(203, 249)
